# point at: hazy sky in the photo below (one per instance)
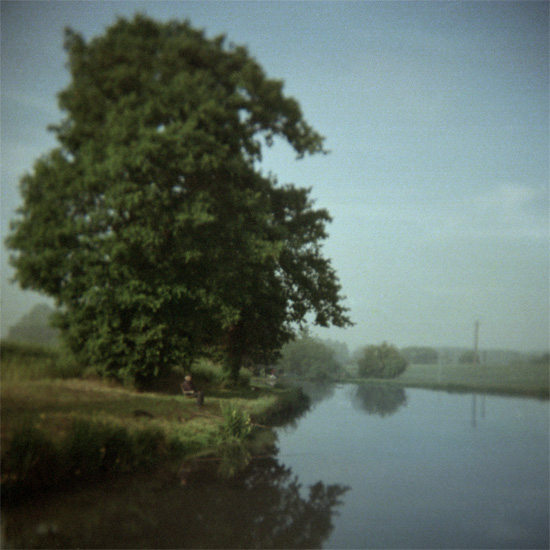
(436, 115)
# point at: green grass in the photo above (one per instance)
(58, 430)
(515, 379)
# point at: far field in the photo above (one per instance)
(527, 379)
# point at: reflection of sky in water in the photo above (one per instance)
(443, 470)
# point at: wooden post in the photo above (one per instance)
(476, 343)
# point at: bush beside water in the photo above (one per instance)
(235, 430)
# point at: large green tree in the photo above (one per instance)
(152, 224)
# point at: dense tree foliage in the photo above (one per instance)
(380, 361)
(309, 358)
(341, 350)
(152, 225)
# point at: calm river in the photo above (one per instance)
(427, 469)
(366, 467)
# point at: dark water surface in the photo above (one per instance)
(366, 467)
(428, 469)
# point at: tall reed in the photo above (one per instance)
(235, 430)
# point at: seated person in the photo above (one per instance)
(188, 389)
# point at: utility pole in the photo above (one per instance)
(476, 343)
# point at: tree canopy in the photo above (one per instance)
(381, 361)
(152, 224)
(310, 358)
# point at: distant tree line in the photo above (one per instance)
(315, 359)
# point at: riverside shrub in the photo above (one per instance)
(381, 361)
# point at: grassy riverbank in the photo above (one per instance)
(520, 379)
(58, 429)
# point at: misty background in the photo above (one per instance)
(437, 118)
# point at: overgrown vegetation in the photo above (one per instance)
(34, 462)
(57, 431)
(235, 431)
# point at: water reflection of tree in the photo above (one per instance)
(381, 399)
(280, 517)
(263, 508)
(317, 391)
